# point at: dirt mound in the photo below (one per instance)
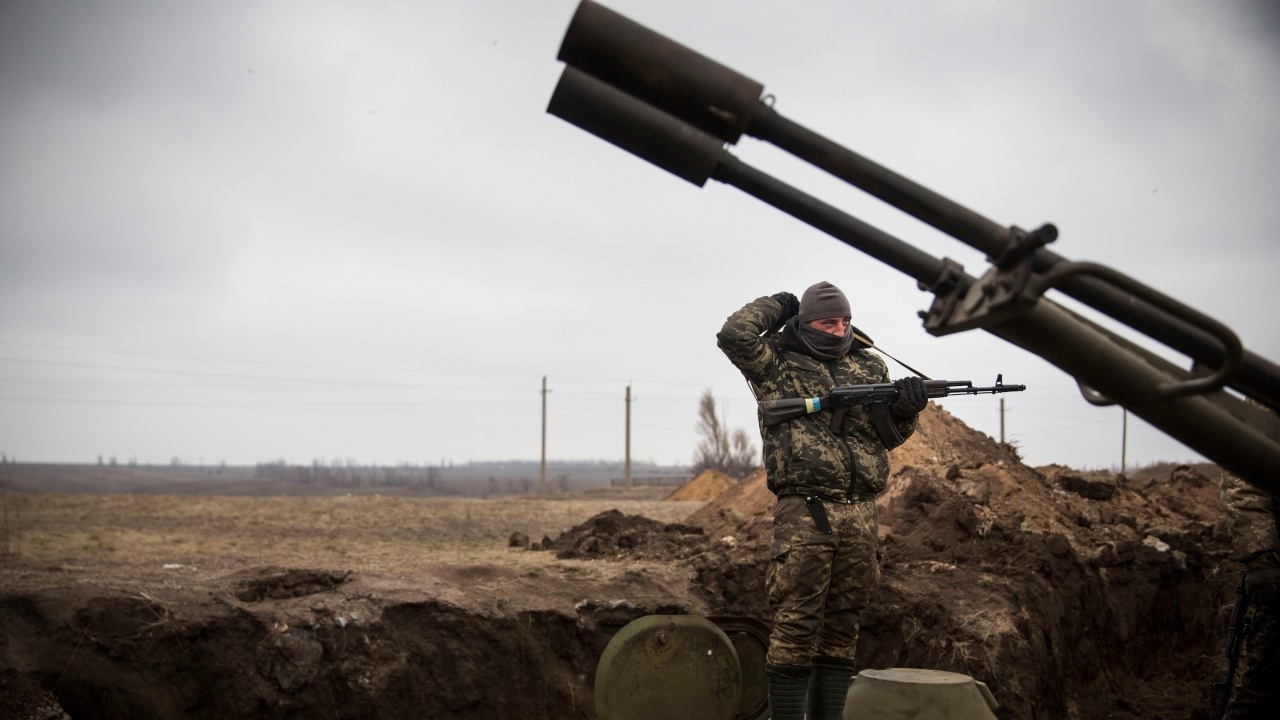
(1059, 589)
(707, 485)
(747, 500)
(279, 584)
(614, 535)
(22, 697)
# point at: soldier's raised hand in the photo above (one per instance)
(790, 305)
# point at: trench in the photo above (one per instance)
(1093, 643)
(116, 656)
(1140, 640)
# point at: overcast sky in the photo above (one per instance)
(248, 230)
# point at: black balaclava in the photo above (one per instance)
(822, 300)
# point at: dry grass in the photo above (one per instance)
(370, 532)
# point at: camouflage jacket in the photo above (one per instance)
(1252, 523)
(804, 455)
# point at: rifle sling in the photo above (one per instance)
(873, 346)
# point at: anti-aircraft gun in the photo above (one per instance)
(679, 110)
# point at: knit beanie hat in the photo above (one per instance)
(823, 300)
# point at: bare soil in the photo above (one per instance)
(1072, 595)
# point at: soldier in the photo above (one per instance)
(1252, 523)
(826, 469)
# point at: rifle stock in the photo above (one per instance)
(773, 412)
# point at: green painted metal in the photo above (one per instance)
(750, 638)
(668, 667)
(916, 694)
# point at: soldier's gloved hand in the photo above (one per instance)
(790, 305)
(912, 398)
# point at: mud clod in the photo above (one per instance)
(291, 658)
(281, 585)
(1099, 485)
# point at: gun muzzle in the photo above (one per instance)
(660, 72)
(639, 128)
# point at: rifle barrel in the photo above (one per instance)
(993, 390)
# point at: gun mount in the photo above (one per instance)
(678, 110)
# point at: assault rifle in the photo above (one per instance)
(1235, 637)
(878, 396)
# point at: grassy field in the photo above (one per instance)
(371, 532)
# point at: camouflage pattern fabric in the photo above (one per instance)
(819, 583)
(844, 464)
(1256, 695)
(1252, 523)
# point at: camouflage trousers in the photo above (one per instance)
(819, 583)
(1257, 692)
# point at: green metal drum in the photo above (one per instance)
(668, 667)
(915, 694)
(750, 638)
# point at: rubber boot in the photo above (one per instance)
(786, 686)
(828, 686)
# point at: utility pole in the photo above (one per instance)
(1124, 437)
(1001, 421)
(627, 472)
(542, 482)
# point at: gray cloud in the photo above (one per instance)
(248, 230)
